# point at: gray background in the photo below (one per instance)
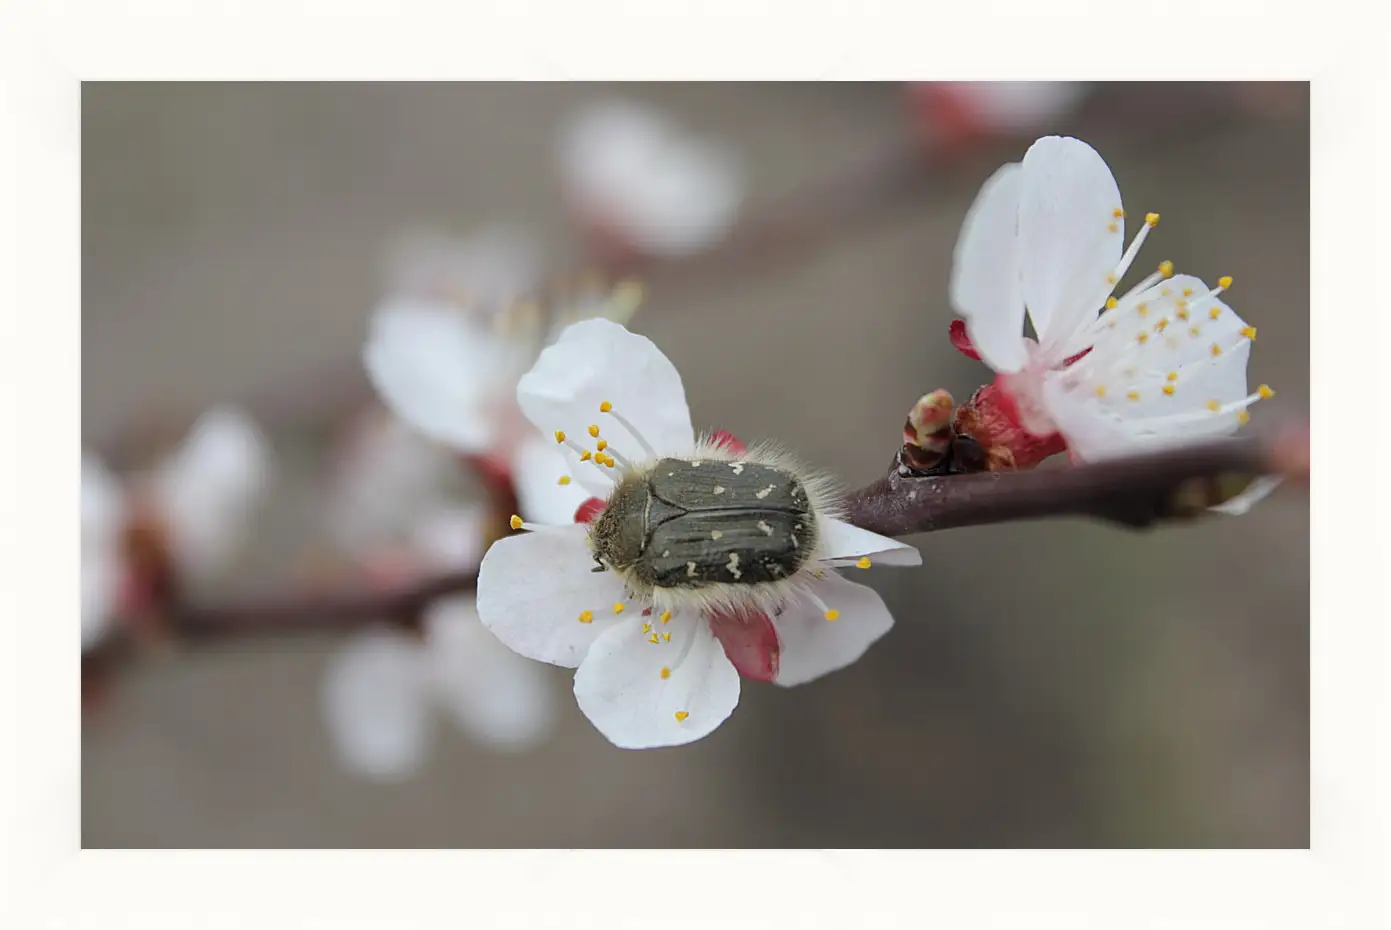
(1046, 684)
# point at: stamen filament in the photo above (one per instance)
(607, 408)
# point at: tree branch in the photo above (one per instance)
(1135, 492)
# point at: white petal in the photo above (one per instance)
(840, 540)
(811, 646)
(103, 502)
(985, 275)
(207, 488)
(440, 373)
(453, 539)
(533, 587)
(665, 190)
(375, 702)
(1256, 492)
(225, 452)
(537, 467)
(101, 576)
(499, 699)
(621, 690)
(387, 476)
(1067, 248)
(1017, 106)
(596, 361)
(487, 271)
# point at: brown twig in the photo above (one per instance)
(1135, 492)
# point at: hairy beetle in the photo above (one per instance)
(695, 523)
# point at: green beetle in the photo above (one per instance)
(696, 523)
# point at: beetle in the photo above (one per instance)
(700, 523)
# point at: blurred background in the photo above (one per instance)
(1046, 684)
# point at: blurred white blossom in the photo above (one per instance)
(643, 178)
(385, 688)
(387, 477)
(453, 375)
(488, 270)
(201, 495)
(205, 490)
(103, 516)
(998, 107)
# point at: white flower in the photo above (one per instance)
(488, 271)
(202, 494)
(453, 376)
(388, 477)
(1165, 364)
(385, 687)
(102, 572)
(643, 177)
(206, 489)
(651, 672)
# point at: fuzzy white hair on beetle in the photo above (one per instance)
(690, 530)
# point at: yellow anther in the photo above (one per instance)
(1214, 313)
(605, 407)
(666, 616)
(619, 607)
(1194, 331)
(832, 615)
(1181, 303)
(1169, 390)
(1152, 219)
(1133, 395)
(564, 480)
(1113, 228)
(585, 455)
(1216, 350)
(515, 522)
(1161, 325)
(1142, 338)
(1171, 376)
(586, 616)
(1166, 268)
(1111, 303)
(863, 563)
(1243, 417)
(1187, 292)
(1101, 390)
(1249, 332)
(666, 637)
(608, 461)
(1110, 279)
(601, 445)
(647, 628)
(652, 639)
(594, 430)
(1118, 213)
(1182, 314)
(1213, 405)
(1225, 281)
(681, 715)
(1142, 309)
(1265, 392)
(560, 435)
(666, 673)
